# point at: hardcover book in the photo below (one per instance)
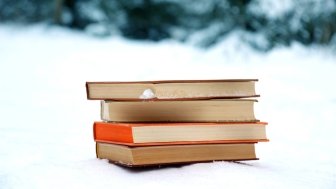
(216, 110)
(173, 154)
(140, 134)
(172, 89)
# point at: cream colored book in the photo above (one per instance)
(173, 154)
(216, 110)
(172, 89)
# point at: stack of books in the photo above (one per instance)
(177, 121)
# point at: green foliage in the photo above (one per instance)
(307, 21)
(150, 20)
(26, 11)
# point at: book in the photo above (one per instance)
(139, 134)
(171, 89)
(173, 154)
(216, 110)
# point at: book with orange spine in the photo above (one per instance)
(147, 134)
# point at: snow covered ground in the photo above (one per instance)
(46, 122)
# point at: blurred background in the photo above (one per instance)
(264, 24)
(50, 48)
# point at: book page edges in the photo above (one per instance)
(178, 99)
(182, 142)
(155, 124)
(176, 163)
(171, 81)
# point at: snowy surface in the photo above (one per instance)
(46, 122)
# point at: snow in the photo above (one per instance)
(272, 8)
(46, 120)
(147, 94)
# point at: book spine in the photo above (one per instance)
(87, 91)
(104, 111)
(107, 132)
